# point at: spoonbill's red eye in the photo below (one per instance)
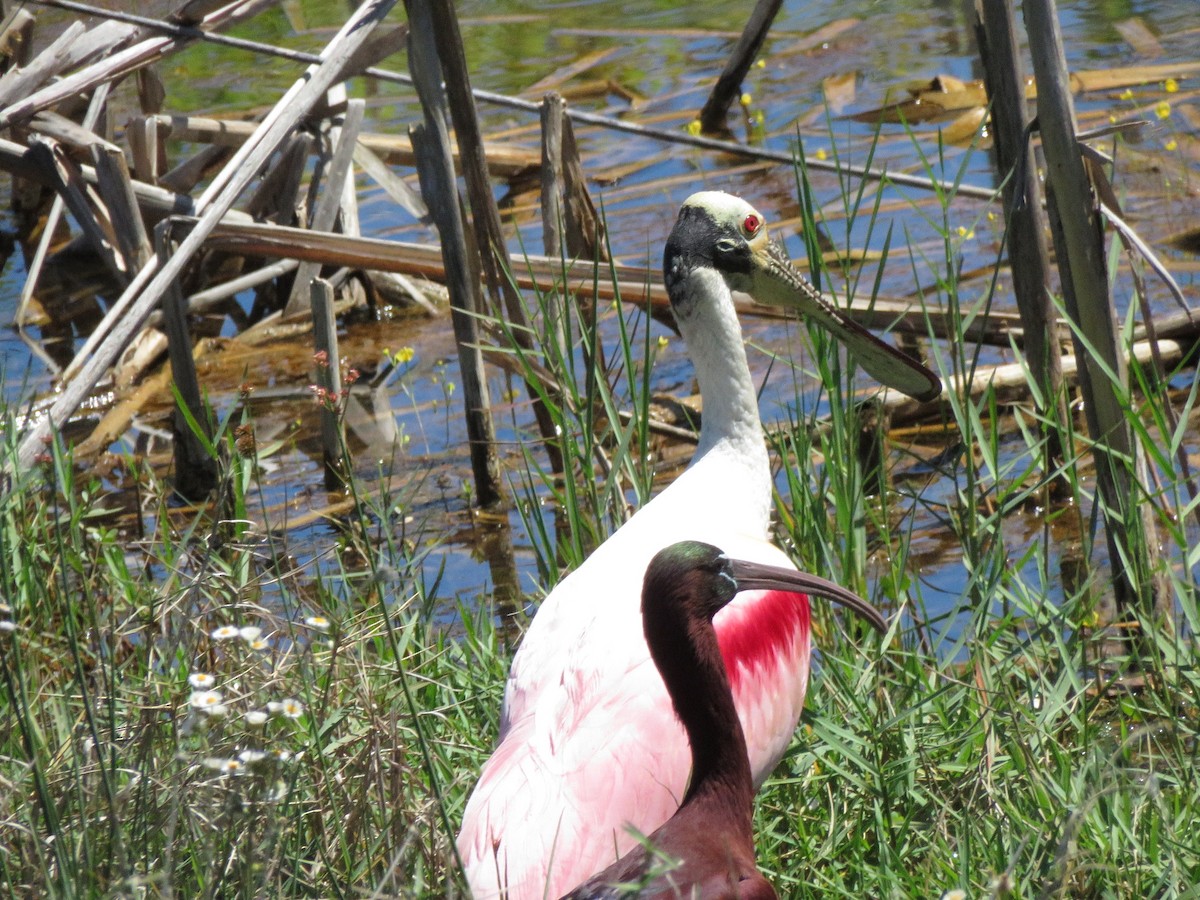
(752, 224)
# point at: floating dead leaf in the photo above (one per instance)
(598, 89)
(942, 84)
(146, 349)
(487, 517)
(840, 90)
(33, 315)
(1138, 35)
(966, 126)
(936, 100)
(944, 96)
(556, 79)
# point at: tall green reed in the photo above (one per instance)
(996, 759)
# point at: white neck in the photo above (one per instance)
(731, 425)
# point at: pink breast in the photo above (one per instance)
(754, 635)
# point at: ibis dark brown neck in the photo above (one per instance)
(710, 834)
(684, 646)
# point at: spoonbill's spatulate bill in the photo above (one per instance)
(753, 263)
(588, 743)
(706, 850)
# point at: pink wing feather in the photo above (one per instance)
(612, 762)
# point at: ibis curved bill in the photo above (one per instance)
(589, 748)
(705, 851)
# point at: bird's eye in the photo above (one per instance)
(752, 225)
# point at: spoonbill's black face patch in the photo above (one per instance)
(712, 232)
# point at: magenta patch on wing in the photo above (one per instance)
(753, 635)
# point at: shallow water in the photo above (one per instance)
(667, 56)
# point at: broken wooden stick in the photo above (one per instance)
(149, 285)
(331, 198)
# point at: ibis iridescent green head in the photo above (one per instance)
(726, 235)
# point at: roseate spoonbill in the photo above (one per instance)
(588, 746)
(710, 835)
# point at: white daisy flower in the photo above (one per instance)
(289, 707)
(206, 700)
